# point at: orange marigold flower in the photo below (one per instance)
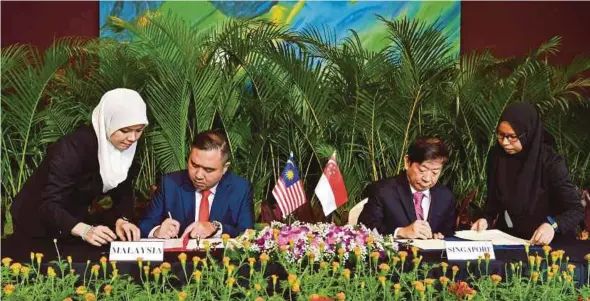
(264, 258)
(419, 286)
(251, 260)
(587, 257)
(6, 261)
(103, 260)
(341, 251)
(226, 261)
(414, 251)
(384, 267)
(9, 289)
(429, 281)
(397, 288)
(197, 275)
(274, 279)
(107, 289)
(81, 290)
(370, 240)
(89, 297)
(295, 288)
(357, 251)
(535, 276)
(231, 281)
(382, 279)
(50, 272)
(68, 299)
(182, 296)
(496, 278)
(291, 278)
(444, 280)
(571, 268)
(259, 299)
(403, 255)
(182, 257)
(546, 250)
(341, 296)
(323, 265)
(257, 287)
(346, 273)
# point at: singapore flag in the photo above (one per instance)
(331, 190)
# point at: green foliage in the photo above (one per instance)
(276, 91)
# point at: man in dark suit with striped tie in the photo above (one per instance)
(413, 204)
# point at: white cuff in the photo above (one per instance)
(151, 235)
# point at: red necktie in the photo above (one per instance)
(418, 195)
(204, 206)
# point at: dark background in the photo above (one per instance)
(508, 28)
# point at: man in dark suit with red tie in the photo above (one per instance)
(413, 204)
(205, 200)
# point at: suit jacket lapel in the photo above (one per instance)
(220, 201)
(433, 209)
(188, 201)
(406, 198)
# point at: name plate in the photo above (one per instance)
(132, 250)
(468, 250)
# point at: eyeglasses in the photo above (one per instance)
(511, 138)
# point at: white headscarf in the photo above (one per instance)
(117, 109)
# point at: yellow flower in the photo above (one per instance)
(314, 297)
(68, 299)
(546, 250)
(259, 299)
(444, 281)
(108, 289)
(113, 264)
(419, 286)
(246, 244)
(9, 289)
(538, 260)
(197, 275)
(39, 256)
(50, 272)
(225, 261)
(103, 260)
(397, 288)
(6, 261)
(555, 268)
(89, 297)
(230, 269)
(257, 287)
(341, 252)
(165, 268)
(403, 255)
(15, 267)
(25, 271)
(428, 282)
(362, 284)
(571, 267)
(549, 275)
(225, 238)
(81, 290)
(139, 261)
(568, 278)
(95, 268)
(274, 279)
(322, 246)
(182, 296)
(496, 279)
(526, 248)
(531, 261)
(291, 278)
(311, 256)
(323, 265)
(346, 274)
(554, 256)
(382, 279)
(535, 276)
(69, 258)
(370, 240)
(156, 271)
(415, 251)
(264, 258)
(341, 296)
(375, 256)
(335, 266)
(444, 267)
(182, 257)
(276, 232)
(395, 260)
(207, 245)
(230, 282)
(384, 267)
(560, 254)
(416, 261)
(284, 248)
(295, 288)
(32, 256)
(357, 252)
(587, 257)
(251, 260)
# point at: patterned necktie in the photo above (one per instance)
(204, 206)
(418, 195)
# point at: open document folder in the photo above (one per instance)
(497, 237)
(424, 244)
(180, 245)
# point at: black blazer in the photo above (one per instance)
(391, 205)
(57, 195)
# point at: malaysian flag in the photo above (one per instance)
(289, 191)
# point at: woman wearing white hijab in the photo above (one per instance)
(79, 168)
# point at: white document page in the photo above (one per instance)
(497, 237)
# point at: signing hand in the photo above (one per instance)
(199, 229)
(126, 231)
(480, 225)
(418, 229)
(168, 229)
(543, 235)
(100, 235)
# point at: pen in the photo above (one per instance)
(170, 216)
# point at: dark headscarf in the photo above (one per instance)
(515, 180)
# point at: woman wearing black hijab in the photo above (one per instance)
(530, 194)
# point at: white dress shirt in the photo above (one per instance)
(425, 205)
(198, 198)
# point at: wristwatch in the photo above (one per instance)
(552, 223)
(217, 226)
